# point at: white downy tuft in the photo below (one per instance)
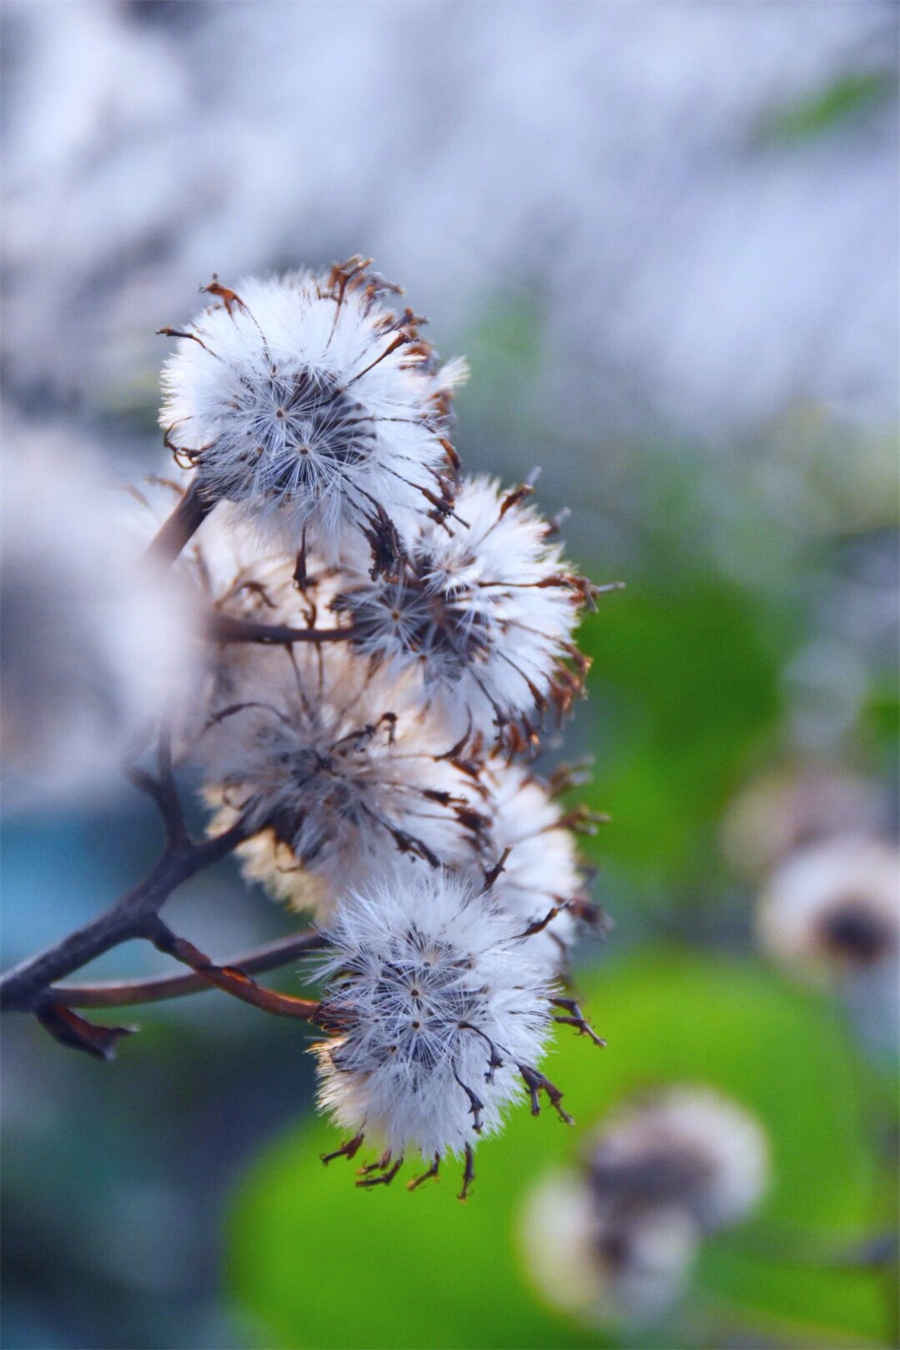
(483, 613)
(334, 769)
(440, 1015)
(315, 407)
(541, 883)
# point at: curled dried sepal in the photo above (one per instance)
(348, 1149)
(381, 1172)
(468, 1174)
(576, 1018)
(536, 1083)
(70, 1029)
(432, 1172)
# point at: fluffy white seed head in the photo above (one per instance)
(689, 1148)
(599, 1265)
(834, 909)
(438, 1009)
(482, 612)
(335, 771)
(315, 407)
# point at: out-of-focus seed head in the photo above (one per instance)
(315, 407)
(792, 808)
(585, 1260)
(833, 910)
(688, 1147)
(97, 647)
(614, 1241)
(482, 611)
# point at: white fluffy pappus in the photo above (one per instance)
(335, 772)
(440, 1017)
(317, 409)
(227, 573)
(687, 1147)
(483, 613)
(242, 576)
(541, 883)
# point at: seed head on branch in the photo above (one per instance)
(377, 645)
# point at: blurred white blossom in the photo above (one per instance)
(98, 647)
(831, 914)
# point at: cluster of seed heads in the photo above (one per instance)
(387, 641)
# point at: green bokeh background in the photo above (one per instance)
(317, 1263)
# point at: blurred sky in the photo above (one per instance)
(662, 183)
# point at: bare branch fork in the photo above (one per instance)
(31, 986)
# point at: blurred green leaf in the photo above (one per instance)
(881, 718)
(315, 1262)
(844, 98)
(503, 349)
(686, 679)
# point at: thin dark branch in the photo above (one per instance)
(24, 988)
(184, 521)
(232, 981)
(164, 792)
(224, 628)
(121, 993)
